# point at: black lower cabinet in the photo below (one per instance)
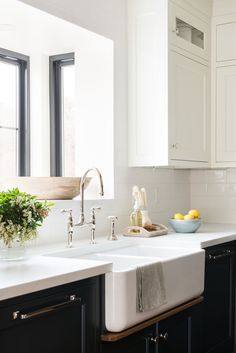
(219, 299)
(181, 333)
(64, 319)
(137, 343)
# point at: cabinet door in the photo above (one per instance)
(54, 321)
(45, 329)
(224, 34)
(181, 333)
(189, 109)
(137, 343)
(219, 307)
(225, 114)
(188, 32)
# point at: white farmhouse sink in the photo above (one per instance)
(143, 250)
(126, 263)
(183, 271)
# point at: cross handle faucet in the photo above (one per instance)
(70, 227)
(93, 223)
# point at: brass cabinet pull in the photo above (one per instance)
(18, 315)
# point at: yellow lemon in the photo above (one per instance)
(194, 213)
(178, 217)
(188, 217)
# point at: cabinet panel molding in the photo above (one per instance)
(189, 109)
(168, 92)
(225, 114)
(224, 34)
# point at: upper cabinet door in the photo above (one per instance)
(225, 48)
(226, 114)
(189, 109)
(189, 32)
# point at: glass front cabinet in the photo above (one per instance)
(189, 32)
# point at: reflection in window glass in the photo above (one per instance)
(8, 155)
(68, 120)
(9, 94)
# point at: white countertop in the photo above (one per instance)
(41, 272)
(208, 235)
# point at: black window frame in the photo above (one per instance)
(23, 63)
(56, 62)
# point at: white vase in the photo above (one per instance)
(15, 252)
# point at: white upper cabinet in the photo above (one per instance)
(168, 86)
(224, 91)
(226, 114)
(189, 109)
(189, 32)
(226, 48)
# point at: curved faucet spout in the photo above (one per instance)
(82, 184)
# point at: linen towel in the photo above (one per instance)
(150, 291)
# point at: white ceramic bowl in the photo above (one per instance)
(185, 226)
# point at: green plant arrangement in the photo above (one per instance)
(20, 216)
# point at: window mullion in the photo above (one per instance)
(56, 139)
(22, 123)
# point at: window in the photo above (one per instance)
(81, 113)
(14, 114)
(62, 101)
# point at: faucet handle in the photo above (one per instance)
(66, 210)
(70, 226)
(96, 208)
(93, 212)
(112, 235)
(93, 222)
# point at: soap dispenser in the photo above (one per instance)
(136, 216)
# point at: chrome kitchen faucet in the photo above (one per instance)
(82, 221)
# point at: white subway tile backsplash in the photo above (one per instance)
(166, 176)
(168, 191)
(181, 177)
(230, 190)
(208, 176)
(217, 216)
(231, 175)
(197, 177)
(212, 192)
(164, 198)
(215, 189)
(218, 203)
(215, 176)
(198, 189)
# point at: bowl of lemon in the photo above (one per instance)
(188, 223)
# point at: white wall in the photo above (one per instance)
(168, 190)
